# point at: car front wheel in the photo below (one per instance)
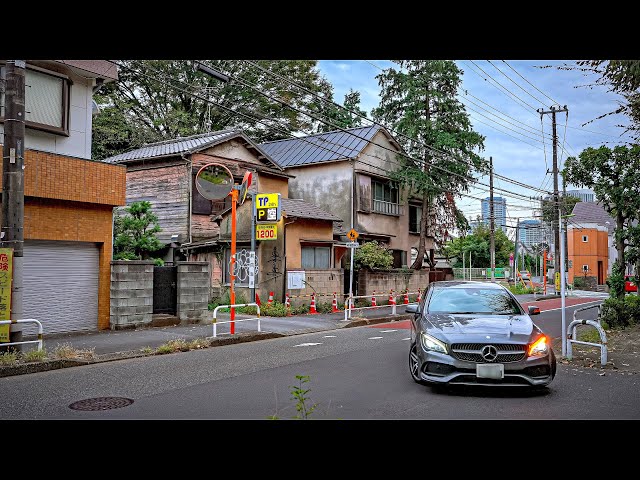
(414, 364)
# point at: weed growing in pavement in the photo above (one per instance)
(146, 350)
(66, 351)
(34, 355)
(199, 343)
(299, 394)
(8, 358)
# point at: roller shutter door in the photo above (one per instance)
(61, 285)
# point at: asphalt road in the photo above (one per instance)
(355, 373)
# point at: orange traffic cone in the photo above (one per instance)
(334, 303)
(373, 299)
(287, 304)
(392, 298)
(312, 308)
(406, 297)
(270, 301)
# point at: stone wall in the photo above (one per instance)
(194, 284)
(382, 282)
(131, 303)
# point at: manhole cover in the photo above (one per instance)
(101, 403)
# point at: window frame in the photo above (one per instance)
(66, 101)
(585, 238)
(386, 186)
(418, 218)
(315, 247)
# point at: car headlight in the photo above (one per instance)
(539, 347)
(432, 344)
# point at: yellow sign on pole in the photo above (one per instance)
(557, 281)
(267, 207)
(6, 277)
(352, 235)
(266, 231)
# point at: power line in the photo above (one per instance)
(517, 84)
(504, 126)
(518, 73)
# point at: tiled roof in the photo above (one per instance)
(589, 212)
(299, 208)
(324, 147)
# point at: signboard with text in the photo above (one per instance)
(267, 207)
(295, 279)
(266, 232)
(6, 278)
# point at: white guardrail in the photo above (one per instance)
(215, 315)
(349, 308)
(25, 320)
(571, 334)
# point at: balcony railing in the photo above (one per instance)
(387, 208)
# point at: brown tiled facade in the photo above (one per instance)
(72, 199)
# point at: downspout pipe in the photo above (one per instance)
(284, 255)
(189, 164)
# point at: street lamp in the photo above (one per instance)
(563, 284)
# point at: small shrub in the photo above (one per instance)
(374, 256)
(8, 358)
(146, 350)
(363, 302)
(632, 303)
(164, 348)
(300, 394)
(615, 281)
(579, 283)
(301, 309)
(518, 289)
(324, 307)
(158, 262)
(276, 309)
(34, 355)
(604, 325)
(615, 313)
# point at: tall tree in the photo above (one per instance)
(135, 231)
(567, 202)
(154, 100)
(418, 99)
(343, 117)
(613, 176)
(478, 244)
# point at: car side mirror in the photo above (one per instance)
(533, 310)
(411, 309)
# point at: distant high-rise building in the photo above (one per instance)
(531, 232)
(499, 212)
(584, 195)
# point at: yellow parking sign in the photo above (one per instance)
(267, 207)
(6, 277)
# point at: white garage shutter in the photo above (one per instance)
(61, 285)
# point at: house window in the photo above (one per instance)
(385, 197)
(415, 214)
(46, 100)
(585, 268)
(585, 238)
(316, 257)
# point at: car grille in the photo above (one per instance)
(472, 352)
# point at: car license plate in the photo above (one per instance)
(491, 370)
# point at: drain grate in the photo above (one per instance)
(100, 403)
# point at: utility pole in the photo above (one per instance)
(515, 251)
(566, 246)
(492, 222)
(556, 197)
(13, 185)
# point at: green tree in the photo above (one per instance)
(550, 213)
(146, 104)
(419, 99)
(372, 255)
(478, 244)
(343, 118)
(135, 233)
(613, 176)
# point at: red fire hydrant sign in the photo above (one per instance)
(6, 277)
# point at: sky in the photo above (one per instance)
(502, 105)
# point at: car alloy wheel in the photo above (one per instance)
(414, 364)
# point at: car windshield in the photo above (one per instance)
(473, 300)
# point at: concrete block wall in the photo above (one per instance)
(131, 302)
(194, 284)
(383, 282)
(323, 283)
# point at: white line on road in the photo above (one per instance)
(375, 338)
(387, 331)
(406, 338)
(330, 336)
(307, 344)
(569, 306)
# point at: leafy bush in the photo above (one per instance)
(300, 309)
(372, 255)
(616, 281)
(276, 309)
(226, 300)
(579, 282)
(615, 312)
(518, 289)
(324, 307)
(632, 303)
(158, 262)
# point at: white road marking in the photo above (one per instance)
(307, 344)
(330, 336)
(387, 331)
(406, 338)
(569, 306)
(375, 338)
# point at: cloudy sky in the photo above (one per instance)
(502, 99)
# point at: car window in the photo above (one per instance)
(473, 300)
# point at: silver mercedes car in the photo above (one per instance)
(477, 333)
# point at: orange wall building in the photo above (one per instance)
(588, 249)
